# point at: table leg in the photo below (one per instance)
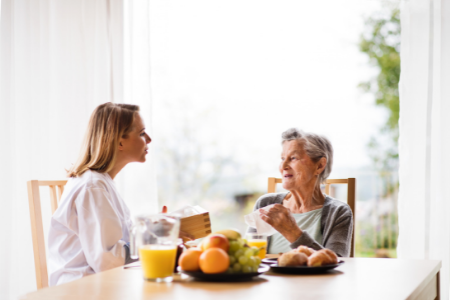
(438, 286)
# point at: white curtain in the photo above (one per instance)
(59, 60)
(424, 146)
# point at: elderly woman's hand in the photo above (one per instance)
(282, 220)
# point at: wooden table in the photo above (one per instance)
(357, 278)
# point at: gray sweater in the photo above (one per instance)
(336, 224)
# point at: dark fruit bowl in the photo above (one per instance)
(226, 277)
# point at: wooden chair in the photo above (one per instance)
(37, 230)
(351, 194)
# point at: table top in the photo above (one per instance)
(357, 278)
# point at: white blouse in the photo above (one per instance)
(89, 229)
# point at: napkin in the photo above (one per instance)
(188, 211)
(254, 220)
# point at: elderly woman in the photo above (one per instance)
(305, 216)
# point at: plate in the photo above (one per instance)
(301, 269)
(269, 261)
(225, 277)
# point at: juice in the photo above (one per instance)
(259, 244)
(157, 261)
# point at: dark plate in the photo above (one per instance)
(224, 277)
(303, 269)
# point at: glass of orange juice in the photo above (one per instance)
(259, 241)
(153, 239)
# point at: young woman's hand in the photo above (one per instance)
(186, 236)
(183, 235)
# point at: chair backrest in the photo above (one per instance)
(351, 194)
(37, 230)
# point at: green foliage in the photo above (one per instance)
(381, 43)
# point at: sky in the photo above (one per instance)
(242, 72)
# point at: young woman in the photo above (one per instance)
(89, 230)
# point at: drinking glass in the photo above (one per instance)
(153, 238)
(259, 241)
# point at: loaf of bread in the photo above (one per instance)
(303, 249)
(292, 258)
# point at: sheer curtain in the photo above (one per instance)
(59, 60)
(424, 204)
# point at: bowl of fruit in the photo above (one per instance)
(222, 256)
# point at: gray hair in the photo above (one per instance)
(316, 147)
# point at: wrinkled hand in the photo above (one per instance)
(183, 235)
(282, 220)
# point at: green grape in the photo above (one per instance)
(252, 262)
(247, 269)
(258, 260)
(239, 253)
(234, 246)
(230, 270)
(243, 260)
(245, 241)
(255, 269)
(232, 260)
(241, 242)
(255, 250)
(248, 252)
(236, 268)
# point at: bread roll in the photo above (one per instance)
(292, 258)
(322, 257)
(332, 255)
(303, 249)
(318, 259)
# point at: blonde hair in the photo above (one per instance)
(108, 123)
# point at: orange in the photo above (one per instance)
(200, 246)
(189, 259)
(214, 260)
